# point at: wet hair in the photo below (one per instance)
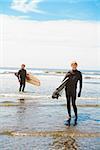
(23, 65)
(74, 63)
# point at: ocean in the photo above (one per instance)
(50, 79)
(34, 121)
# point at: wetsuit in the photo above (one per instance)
(22, 79)
(70, 90)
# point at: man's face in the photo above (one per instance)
(22, 66)
(74, 66)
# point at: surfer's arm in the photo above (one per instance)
(18, 75)
(25, 73)
(80, 85)
(66, 76)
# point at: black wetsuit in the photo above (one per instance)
(70, 90)
(22, 79)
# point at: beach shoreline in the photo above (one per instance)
(36, 121)
(44, 119)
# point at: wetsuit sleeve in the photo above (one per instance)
(19, 74)
(25, 73)
(80, 85)
(67, 75)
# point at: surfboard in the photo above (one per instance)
(58, 90)
(31, 79)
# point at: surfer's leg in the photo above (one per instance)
(68, 106)
(68, 103)
(23, 87)
(20, 87)
(69, 110)
(74, 108)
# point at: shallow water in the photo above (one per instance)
(9, 84)
(36, 125)
(33, 121)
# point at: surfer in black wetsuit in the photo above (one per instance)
(22, 78)
(70, 90)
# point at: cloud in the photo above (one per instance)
(26, 6)
(49, 43)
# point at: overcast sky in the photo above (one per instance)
(47, 34)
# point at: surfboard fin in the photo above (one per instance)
(55, 95)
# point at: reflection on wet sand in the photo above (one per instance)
(61, 140)
(50, 133)
(44, 119)
(64, 143)
(22, 100)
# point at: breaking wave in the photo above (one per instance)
(33, 96)
(86, 74)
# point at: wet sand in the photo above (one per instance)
(38, 124)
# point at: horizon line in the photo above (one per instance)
(49, 68)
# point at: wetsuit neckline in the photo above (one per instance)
(74, 70)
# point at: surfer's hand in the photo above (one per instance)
(79, 94)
